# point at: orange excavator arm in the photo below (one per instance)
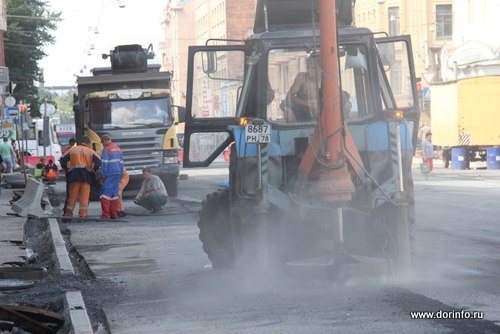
(331, 154)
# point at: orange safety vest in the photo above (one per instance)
(51, 174)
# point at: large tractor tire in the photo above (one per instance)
(398, 225)
(215, 230)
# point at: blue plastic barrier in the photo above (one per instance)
(459, 158)
(493, 157)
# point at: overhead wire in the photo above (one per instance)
(91, 32)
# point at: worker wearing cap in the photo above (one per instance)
(111, 172)
(39, 167)
(81, 162)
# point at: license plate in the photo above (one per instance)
(258, 133)
(135, 172)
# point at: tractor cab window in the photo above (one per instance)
(217, 81)
(355, 81)
(395, 73)
(295, 78)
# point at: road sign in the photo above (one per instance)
(47, 109)
(10, 101)
(13, 111)
(426, 93)
(428, 77)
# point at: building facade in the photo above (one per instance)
(451, 39)
(180, 32)
(193, 22)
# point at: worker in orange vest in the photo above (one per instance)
(81, 162)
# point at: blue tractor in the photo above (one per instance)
(321, 128)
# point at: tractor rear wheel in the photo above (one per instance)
(215, 230)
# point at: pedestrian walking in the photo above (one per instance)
(71, 143)
(8, 154)
(153, 195)
(15, 157)
(111, 173)
(422, 132)
(81, 162)
(1, 171)
(428, 151)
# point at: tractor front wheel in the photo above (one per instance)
(215, 230)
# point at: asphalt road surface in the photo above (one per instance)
(169, 286)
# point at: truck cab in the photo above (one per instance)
(131, 101)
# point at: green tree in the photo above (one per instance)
(29, 28)
(64, 106)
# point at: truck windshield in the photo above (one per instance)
(110, 114)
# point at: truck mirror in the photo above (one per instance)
(209, 60)
(181, 114)
(355, 59)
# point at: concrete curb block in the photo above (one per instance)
(80, 323)
(74, 305)
(63, 261)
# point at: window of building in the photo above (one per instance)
(444, 22)
(393, 14)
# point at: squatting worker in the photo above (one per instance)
(81, 162)
(111, 172)
(50, 171)
(153, 195)
(71, 143)
(39, 167)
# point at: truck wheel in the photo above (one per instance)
(171, 185)
(215, 230)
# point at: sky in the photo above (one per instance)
(92, 27)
